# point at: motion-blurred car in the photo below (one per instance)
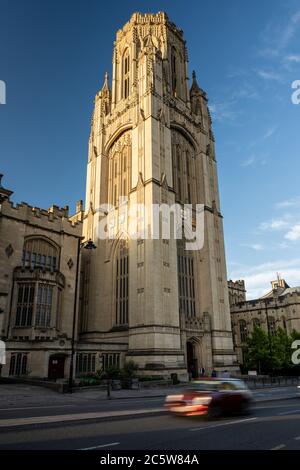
(212, 397)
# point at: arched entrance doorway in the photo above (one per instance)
(192, 363)
(56, 369)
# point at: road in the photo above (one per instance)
(273, 425)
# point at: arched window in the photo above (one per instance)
(119, 156)
(126, 74)
(122, 279)
(271, 325)
(186, 280)
(39, 252)
(243, 331)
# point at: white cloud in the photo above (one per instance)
(269, 132)
(293, 58)
(269, 75)
(257, 159)
(224, 111)
(294, 233)
(274, 224)
(258, 278)
(293, 202)
(248, 162)
(255, 246)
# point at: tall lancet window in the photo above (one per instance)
(126, 73)
(186, 280)
(174, 72)
(122, 269)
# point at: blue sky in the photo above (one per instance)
(53, 56)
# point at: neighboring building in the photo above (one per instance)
(151, 141)
(278, 308)
(38, 255)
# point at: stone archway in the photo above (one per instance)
(191, 359)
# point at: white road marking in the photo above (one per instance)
(288, 412)
(100, 446)
(281, 446)
(223, 424)
(297, 438)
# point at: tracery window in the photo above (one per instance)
(119, 169)
(174, 72)
(38, 252)
(122, 279)
(126, 74)
(186, 281)
(18, 364)
(243, 331)
(25, 304)
(272, 325)
(44, 305)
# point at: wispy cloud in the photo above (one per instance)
(289, 203)
(254, 246)
(224, 111)
(293, 58)
(255, 159)
(294, 233)
(274, 225)
(277, 37)
(269, 132)
(269, 75)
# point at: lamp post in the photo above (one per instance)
(88, 245)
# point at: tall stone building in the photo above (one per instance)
(279, 308)
(151, 142)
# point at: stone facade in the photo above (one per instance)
(140, 298)
(151, 142)
(38, 255)
(279, 308)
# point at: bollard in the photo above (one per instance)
(108, 388)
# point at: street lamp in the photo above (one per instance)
(88, 245)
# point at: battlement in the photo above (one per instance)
(238, 285)
(54, 218)
(145, 19)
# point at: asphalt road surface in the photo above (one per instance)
(271, 426)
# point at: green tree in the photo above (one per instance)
(273, 353)
(280, 350)
(257, 354)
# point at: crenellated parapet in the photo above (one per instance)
(55, 218)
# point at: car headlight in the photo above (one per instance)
(201, 400)
(171, 398)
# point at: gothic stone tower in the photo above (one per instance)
(151, 141)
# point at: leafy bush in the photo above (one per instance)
(113, 372)
(129, 369)
(87, 380)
